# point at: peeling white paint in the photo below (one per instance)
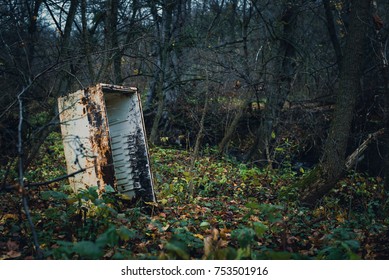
(77, 145)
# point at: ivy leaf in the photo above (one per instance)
(110, 237)
(244, 236)
(260, 229)
(46, 195)
(88, 249)
(253, 205)
(178, 249)
(125, 233)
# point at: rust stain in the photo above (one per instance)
(84, 101)
(99, 136)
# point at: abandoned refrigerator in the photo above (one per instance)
(103, 135)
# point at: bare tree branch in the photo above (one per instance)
(21, 176)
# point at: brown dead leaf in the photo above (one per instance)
(224, 233)
(13, 254)
(292, 239)
(215, 234)
(165, 228)
(162, 214)
(109, 254)
(199, 236)
(8, 216)
(12, 245)
(152, 227)
(208, 246)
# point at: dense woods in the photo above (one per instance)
(267, 123)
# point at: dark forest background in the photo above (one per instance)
(302, 84)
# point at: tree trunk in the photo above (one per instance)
(381, 43)
(199, 136)
(163, 34)
(283, 83)
(332, 30)
(386, 133)
(385, 78)
(117, 52)
(32, 28)
(64, 79)
(223, 145)
(110, 70)
(158, 116)
(86, 43)
(332, 166)
(168, 32)
(246, 17)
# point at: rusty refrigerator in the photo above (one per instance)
(104, 135)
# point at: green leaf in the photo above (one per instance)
(204, 225)
(253, 205)
(88, 250)
(272, 255)
(353, 244)
(46, 195)
(64, 247)
(125, 233)
(244, 236)
(93, 192)
(260, 229)
(178, 249)
(243, 253)
(110, 237)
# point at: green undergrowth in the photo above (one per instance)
(237, 211)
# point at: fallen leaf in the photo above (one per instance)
(12, 245)
(8, 216)
(13, 254)
(165, 228)
(199, 236)
(208, 246)
(109, 254)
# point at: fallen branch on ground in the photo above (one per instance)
(352, 159)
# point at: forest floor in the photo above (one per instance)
(237, 212)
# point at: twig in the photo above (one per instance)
(21, 176)
(199, 137)
(55, 179)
